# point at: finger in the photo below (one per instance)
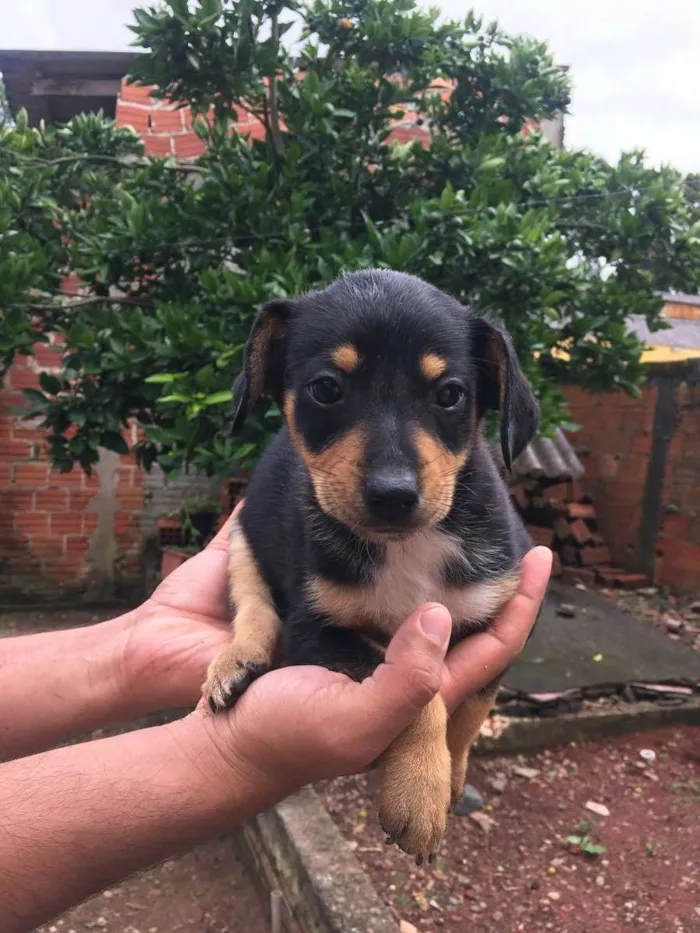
(478, 659)
(410, 676)
(220, 540)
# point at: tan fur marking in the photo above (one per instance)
(432, 366)
(414, 775)
(256, 626)
(411, 576)
(346, 358)
(438, 473)
(270, 328)
(462, 729)
(335, 472)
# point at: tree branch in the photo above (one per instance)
(93, 300)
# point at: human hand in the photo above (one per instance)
(300, 724)
(170, 639)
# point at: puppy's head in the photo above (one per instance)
(383, 380)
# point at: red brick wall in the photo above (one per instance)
(678, 544)
(615, 443)
(61, 531)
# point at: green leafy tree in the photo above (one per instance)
(176, 259)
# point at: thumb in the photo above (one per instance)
(409, 677)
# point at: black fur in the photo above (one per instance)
(392, 320)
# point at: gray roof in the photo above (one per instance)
(681, 298)
(550, 458)
(682, 333)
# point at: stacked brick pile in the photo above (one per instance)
(561, 516)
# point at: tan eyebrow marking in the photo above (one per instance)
(432, 366)
(346, 358)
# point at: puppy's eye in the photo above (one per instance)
(450, 394)
(325, 391)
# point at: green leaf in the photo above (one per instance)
(38, 399)
(49, 383)
(113, 440)
(218, 398)
(161, 378)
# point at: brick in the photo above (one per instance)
(539, 535)
(52, 500)
(166, 121)
(580, 510)
(17, 450)
(580, 531)
(90, 520)
(32, 523)
(10, 401)
(134, 93)
(188, 146)
(48, 545)
(31, 475)
(557, 493)
(137, 117)
(17, 500)
(631, 581)
(80, 499)
(21, 377)
(5, 475)
(158, 146)
(47, 356)
(590, 556)
(130, 498)
(76, 544)
(66, 523)
(578, 575)
(72, 480)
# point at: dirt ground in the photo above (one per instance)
(516, 873)
(206, 891)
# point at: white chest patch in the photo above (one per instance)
(411, 576)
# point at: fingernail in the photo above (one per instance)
(436, 624)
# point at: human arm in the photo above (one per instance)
(76, 819)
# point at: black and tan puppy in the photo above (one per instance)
(378, 495)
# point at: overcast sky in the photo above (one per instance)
(635, 65)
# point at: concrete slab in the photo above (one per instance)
(600, 645)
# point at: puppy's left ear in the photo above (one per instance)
(502, 387)
(264, 360)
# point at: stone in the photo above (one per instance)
(483, 820)
(498, 783)
(470, 802)
(672, 624)
(695, 607)
(598, 808)
(566, 611)
(528, 773)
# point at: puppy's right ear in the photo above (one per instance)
(264, 360)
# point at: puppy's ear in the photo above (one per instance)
(264, 360)
(502, 387)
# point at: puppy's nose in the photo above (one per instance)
(391, 495)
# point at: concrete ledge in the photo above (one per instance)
(528, 734)
(296, 848)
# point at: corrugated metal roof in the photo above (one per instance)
(682, 333)
(550, 458)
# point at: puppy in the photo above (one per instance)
(378, 495)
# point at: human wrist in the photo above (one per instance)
(213, 752)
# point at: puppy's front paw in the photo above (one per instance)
(413, 805)
(230, 674)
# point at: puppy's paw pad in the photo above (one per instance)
(229, 677)
(417, 830)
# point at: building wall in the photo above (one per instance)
(642, 462)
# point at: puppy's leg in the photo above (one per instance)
(462, 729)
(256, 629)
(414, 775)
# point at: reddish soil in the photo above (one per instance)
(205, 891)
(522, 876)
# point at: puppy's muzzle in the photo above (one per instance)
(391, 498)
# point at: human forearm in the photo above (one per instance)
(74, 820)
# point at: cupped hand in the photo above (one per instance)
(300, 724)
(171, 638)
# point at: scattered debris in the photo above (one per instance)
(483, 820)
(528, 773)
(672, 623)
(598, 808)
(470, 802)
(598, 658)
(648, 755)
(566, 611)
(498, 783)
